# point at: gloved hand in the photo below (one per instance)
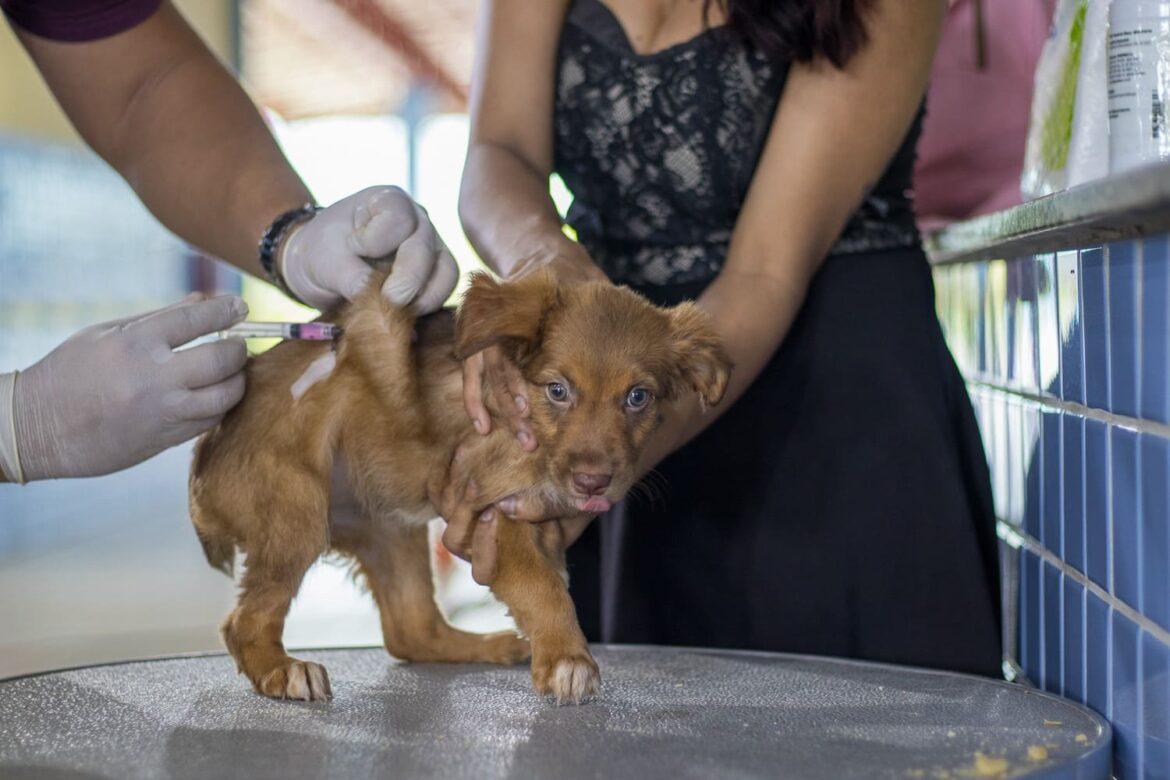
(116, 394)
(324, 260)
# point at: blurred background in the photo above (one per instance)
(358, 92)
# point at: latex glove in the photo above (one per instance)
(327, 258)
(116, 394)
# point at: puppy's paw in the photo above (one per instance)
(297, 680)
(570, 678)
(506, 647)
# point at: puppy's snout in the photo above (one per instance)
(591, 484)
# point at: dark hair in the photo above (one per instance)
(800, 30)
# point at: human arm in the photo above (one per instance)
(833, 134)
(158, 106)
(504, 201)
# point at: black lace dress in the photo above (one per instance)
(842, 506)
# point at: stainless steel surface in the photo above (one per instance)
(663, 713)
(1121, 206)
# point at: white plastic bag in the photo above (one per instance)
(1054, 101)
(1088, 156)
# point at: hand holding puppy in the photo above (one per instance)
(472, 527)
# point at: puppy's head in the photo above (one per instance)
(601, 361)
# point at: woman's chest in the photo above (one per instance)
(690, 119)
(651, 26)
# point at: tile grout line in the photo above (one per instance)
(1088, 412)
(1017, 539)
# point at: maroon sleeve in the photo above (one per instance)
(77, 20)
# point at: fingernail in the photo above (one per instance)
(239, 308)
(526, 439)
(480, 425)
(521, 403)
(472, 489)
(487, 516)
(508, 505)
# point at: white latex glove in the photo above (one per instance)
(115, 394)
(327, 258)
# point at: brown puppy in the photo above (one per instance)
(600, 359)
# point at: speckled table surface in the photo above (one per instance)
(663, 713)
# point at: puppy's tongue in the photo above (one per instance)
(593, 504)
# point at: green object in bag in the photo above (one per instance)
(1056, 135)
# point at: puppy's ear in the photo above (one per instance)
(511, 314)
(701, 362)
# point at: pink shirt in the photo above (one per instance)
(972, 147)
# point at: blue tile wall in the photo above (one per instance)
(1052, 494)
(1098, 539)
(1155, 698)
(1095, 327)
(1155, 287)
(1121, 264)
(1097, 665)
(1068, 307)
(1053, 638)
(1067, 355)
(1124, 486)
(1155, 539)
(1073, 649)
(1031, 649)
(1031, 461)
(1126, 697)
(1048, 325)
(1072, 516)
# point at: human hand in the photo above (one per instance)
(115, 394)
(472, 526)
(326, 259)
(490, 370)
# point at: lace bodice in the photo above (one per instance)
(659, 150)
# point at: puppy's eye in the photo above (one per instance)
(637, 398)
(557, 392)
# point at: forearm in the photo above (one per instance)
(752, 312)
(216, 178)
(509, 216)
(156, 104)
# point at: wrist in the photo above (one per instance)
(274, 243)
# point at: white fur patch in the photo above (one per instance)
(319, 369)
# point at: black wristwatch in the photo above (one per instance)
(272, 238)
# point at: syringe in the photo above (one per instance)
(304, 331)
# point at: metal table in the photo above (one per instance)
(663, 713)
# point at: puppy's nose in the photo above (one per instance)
(591, 484)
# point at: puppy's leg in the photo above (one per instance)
(396, 562)
(531, 581)
(253, 631)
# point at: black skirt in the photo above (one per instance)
(842, 507)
